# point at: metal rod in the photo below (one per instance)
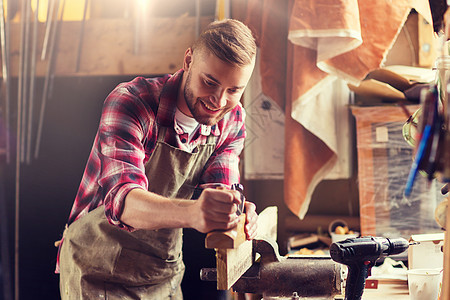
(21, 70)
(5, 258)
(5, 77)
(32, 82)
(49, 75)
(18, 148)
(6, 271)
(80, 43)
(26, 75)
(17, 203)
(48, 25)
(7, 11)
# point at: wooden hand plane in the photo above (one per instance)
(234, 253)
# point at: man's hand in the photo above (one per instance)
(251, 218)
(215, 209)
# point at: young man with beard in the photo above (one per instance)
(160, 143)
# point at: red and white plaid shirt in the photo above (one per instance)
(132, 115)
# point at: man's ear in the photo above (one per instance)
(187, 61)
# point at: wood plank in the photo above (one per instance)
(267, 223)
(392, 290)
(232, 263)
(108, 46)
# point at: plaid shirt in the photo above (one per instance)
(132, 115)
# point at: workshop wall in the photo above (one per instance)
(339, 199)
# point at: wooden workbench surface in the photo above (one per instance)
(392, 290)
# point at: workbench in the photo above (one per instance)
(388, 289)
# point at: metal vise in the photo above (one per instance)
(295, 277)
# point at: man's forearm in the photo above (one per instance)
(214, 209)
(147, 210)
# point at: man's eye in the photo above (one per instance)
(209, 83)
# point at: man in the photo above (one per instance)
(159, 142)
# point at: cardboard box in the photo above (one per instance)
(428, 253)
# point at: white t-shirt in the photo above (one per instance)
(188, 124)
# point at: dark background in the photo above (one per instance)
(49, 183)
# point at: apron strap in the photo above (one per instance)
(161, 133)
(210, 139)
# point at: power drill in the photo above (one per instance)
(360, 255)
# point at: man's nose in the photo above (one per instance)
(218, 99)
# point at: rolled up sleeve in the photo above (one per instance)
(121, 151)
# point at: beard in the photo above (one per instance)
(195, 106)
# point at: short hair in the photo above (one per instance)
(230, 40)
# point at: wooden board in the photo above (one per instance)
(113, 47)
(267, 223)
(392, 290)
(232, 263)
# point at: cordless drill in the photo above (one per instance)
(360, 254)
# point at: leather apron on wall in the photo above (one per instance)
(101, 261)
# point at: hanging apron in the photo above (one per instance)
(101, 261)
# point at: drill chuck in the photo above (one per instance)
(398, 245)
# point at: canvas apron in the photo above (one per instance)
(101, 261)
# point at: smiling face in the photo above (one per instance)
(211, 87)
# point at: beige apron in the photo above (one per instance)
(101, 261)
